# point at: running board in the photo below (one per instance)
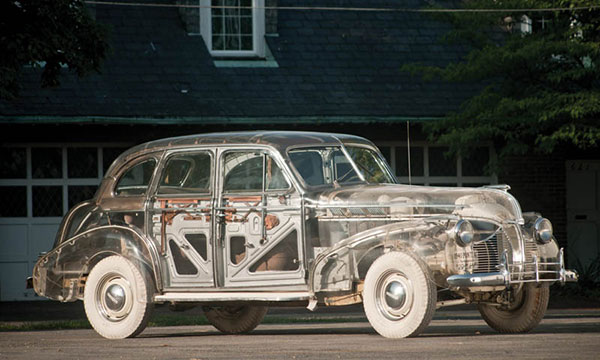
(232, 296)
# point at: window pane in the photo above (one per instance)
(46, 163)
(474, 164)
(232, 42)
(243, 172)
(13, 163)
(246, 24)
(370, 164)
(186, 173)
(310, 166)
(439, 164)
(81, 193)
(14, 201)
(246, 43)
(232, 26)
(218, 42)
(275, 178)
(109, 155)
(344, 172)
(47, 201)
(82, 163)
(416, 161)
(135, 180)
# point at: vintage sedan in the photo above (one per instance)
(237, 222)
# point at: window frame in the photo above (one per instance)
(258, 32)
(130, 165)
(163, 167)
(263, 154)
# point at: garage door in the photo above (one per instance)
(38, 184)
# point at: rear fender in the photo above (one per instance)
(60, 274)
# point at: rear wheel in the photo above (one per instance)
(399, 296)
(523, 314)
(118, 298)
(235, 319)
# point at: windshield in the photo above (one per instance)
(327, 165)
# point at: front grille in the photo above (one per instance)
(487, 254)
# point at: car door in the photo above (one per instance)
(259, 221)
(182, 218)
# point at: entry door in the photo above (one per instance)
(583, 212)
(258, 222)
(182, 218)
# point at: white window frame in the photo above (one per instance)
(258, 31)
(428, 180)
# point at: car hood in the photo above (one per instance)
(483, 202)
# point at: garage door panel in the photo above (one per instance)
(41, 238)
(12, 281)
(13, 243)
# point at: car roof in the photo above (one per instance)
(280, 140)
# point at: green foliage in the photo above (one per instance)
(539, 90)
(47, 34)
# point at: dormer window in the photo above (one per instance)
(233, 28)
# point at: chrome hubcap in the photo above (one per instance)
(395, 294)
(114, 298)
(394, 298)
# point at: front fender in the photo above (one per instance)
(59, 274)
(340, 266)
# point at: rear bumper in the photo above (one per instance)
(508, 274)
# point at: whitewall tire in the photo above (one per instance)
(118, 298)
(399, 296)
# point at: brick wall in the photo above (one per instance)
(539, 183)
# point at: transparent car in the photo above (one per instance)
(237, 222)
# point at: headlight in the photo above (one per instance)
(543, 230)
(463, 233)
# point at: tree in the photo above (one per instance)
(48, 34)
(539, 74)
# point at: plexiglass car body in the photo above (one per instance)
(239, 221)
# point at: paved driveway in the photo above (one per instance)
(452, 335)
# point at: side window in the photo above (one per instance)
(135, 181)
(186, 173)
(275, 180)
(243, 171)
(310, 166)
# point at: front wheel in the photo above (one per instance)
(523, 314)
(235, 319)
(399, 296)
(118, 298)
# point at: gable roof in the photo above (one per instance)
(331, 64)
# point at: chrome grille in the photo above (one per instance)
(487, 254)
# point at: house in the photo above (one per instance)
(182, 70)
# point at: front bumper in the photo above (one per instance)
(517, 273)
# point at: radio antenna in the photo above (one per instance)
(408, 150)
